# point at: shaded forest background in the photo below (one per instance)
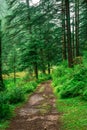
(42, 41)
(38, 37)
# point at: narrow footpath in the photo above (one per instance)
(39, 113)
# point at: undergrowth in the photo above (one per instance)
(16, 93)
(73, 113)
(70, 87)
(70, 82)
(13, 97)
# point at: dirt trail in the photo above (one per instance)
(39, 113)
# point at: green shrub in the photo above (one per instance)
(80, 74)
(70, 82)
(84, 95)
(29, 88)
(5, 111)
(16, 95)
(58, 72)
(44, 77)
(76, 84)
(72, 89)
(60, 75)
(33, 83)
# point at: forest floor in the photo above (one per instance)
(39, 113)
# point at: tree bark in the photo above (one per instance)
(2, 87)
(36, 70)
(73, 38)
(64, 54)
(77, 26)
(14, 69)
(70, 58)
(48, 68)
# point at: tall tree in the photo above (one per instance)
(70, 57)
(73, 37)
(77, 26)
(64, 49)
(1, 79)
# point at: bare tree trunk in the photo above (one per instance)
(14, 69)
(77, 26)
(48, 68)
(70, 58)
(63, 31)
(2, 87)
(73, 38)
(36, 70)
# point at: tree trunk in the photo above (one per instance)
(2, 87)
(14, 69)
(70, 58)
(73, 38)
(63, 32)
(77, 26)
(48, 68)
(36, 70)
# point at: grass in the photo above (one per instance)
(18, 75)
(74, 113)
(70, 87)
(4, 125)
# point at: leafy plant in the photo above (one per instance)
(71, 82)
(5, 110)
(16, 95)
(30, 87)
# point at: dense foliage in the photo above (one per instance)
(42, 35)
(70, 82)
(14, 95)
(40, 39)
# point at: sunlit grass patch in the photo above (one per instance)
(18, 75)
(74, 113)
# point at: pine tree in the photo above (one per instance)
(70, 58)
(64, 31)
(77, 26)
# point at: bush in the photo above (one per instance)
(44, 77)
(30, 86)
(28, 89)
(33, 83)
(16, 95)
(60, 75)
(80, 74)
(5, 111)
(72, 89)
(84, 95)
(70, 82)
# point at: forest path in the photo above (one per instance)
(39, 113)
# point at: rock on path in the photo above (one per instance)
(39, 113)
